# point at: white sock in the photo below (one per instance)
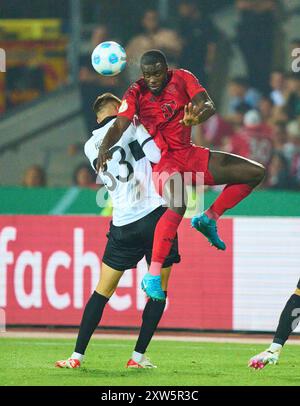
(275, 347)
(78, 356)
(137, 356)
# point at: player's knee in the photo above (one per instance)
(256, 175)
(105, 291)
(260, 173)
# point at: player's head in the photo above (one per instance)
(106, 105)
(155, 70)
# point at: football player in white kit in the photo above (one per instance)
(136, 209)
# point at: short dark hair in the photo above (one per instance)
(103, 100)
(241, 81)
(81, 166)
(154, 56)
(278, 70)
(42, 174)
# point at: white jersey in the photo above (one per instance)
(128, 175)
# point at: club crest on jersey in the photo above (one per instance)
(124, 106)
(169, 109)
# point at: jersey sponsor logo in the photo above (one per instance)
(124, 106)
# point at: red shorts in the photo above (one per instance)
(188, 162)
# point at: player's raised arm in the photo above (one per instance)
(126, 113)
(112, 137)
(200, 109)
(148, 144)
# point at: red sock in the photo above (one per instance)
(164, 235)
(230, 197)
(212, 214)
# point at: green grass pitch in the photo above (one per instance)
(31, 362)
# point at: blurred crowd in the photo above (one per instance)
(83, 176)
(264, 127)
(263, 106)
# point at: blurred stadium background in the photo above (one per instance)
(52, 232)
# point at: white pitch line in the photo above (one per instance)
(206, 339)
(65, 202)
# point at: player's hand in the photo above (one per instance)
(191, 115)
(103, 156)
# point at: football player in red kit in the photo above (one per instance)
(168, 103)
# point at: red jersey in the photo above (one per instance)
(160, 114)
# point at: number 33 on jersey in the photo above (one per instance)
(128, 175)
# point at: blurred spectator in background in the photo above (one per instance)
(277, 84)
(293, 137)
(266, 110)
(91, 83)
(295, 169)
(34, 176)
(255, 140)
(278, 173)
(214, 131)
(292, 106)
(280, 137)
(152, 36)
(255, 38)
(84, 176)
(240, 91)
(236, 119)
(200, 38)
(292, 150)
(24, 83)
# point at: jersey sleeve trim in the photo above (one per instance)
(192, 84)
(129, 103)
(197, 92)
(146, 141)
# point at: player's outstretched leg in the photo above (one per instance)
(241, 176)
(92, 315)
(289, 320)
(208, 227)
(165, 233)
(152, 315)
